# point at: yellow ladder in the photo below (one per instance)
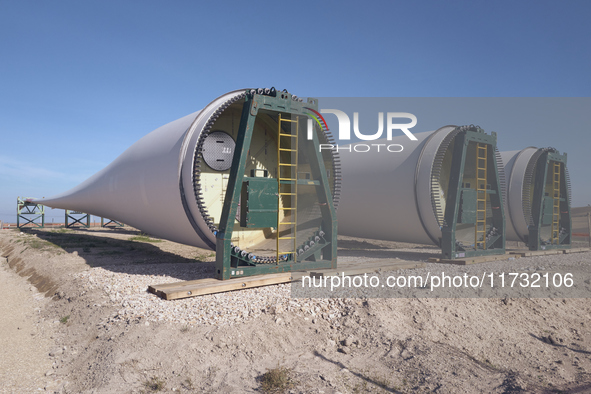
(556, 204)
(481, 182)
(291, 180)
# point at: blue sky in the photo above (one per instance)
(82, 81)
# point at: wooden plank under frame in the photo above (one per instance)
(510, 254)
(193, 288)
(530, 253)
(376, 266)
(576, 250)
(479, 259)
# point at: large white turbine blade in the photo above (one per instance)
(401, 193)
(172, 183)
(521, 169)
(140, 188)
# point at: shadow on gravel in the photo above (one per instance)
(128, 256)
(389, 254)
(144, 257)
(379, 382)
(357, 245)
(585, 388)
(552, 342)
(110, 230)
(386, 250)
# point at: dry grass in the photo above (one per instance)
(277, 380)
(154, 384)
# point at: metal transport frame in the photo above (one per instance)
(321, 251)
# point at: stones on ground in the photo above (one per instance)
(345, 349)
(276, 309)
(406, 355)
(56, 352)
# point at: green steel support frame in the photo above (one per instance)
(82, 219)
(494, 240)
(324, 253)
(110, 223)
(29, 212)
(542, 207)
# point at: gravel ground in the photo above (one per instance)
(128, 291)
(107, 334)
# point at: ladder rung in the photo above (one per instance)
(481, 194)
(293, 182)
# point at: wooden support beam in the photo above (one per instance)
(193, 288)
(212, 286)
(531, 253)
(479, 259)
(377, 266)
(576, 250)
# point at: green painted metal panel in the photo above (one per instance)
(468, 206)
(548, 207)
(224, 235)
(258, 203)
